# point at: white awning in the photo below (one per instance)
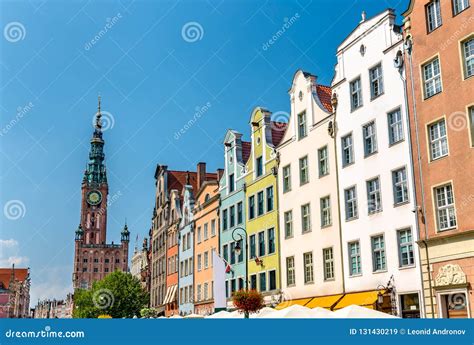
(170, 294)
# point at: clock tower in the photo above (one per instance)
(94, 258)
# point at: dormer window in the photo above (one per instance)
(259, 166)
(302, 132)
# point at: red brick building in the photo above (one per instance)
(439, 41)
(94, 258)
(14, 292)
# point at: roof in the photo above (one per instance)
(278, 131)
(246, 149)
(21, 274)
(177, 179)
(324, 94)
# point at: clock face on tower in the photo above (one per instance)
(94, 197)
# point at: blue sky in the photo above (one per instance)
(153, 76)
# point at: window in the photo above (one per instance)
(231, 183)
(213, 227)
(370, 138)
(405, 248)
(468, 57)
(376, 81)
(288, 216)
(432, 78)
(259, 165)
(356, 94)
(328, 258)
(395, 127)
(232, 253)
(433, 15)
(400, 186)
(199, 262)
(325, 204)
(350, 198)
(374, 201)
(241, 283)
(206, 231)
(302, 125)
(354, 258)
(206, 259)
(438, 139)
(240, 214)
(199, 235)
(308, 267)
(445, 211)
(253, 253)
(303, 170)
(206, 291)
(253, 282)
(347, 150)
(459, 6)
(263, 281)
(252, 207)
(199, 290)
(270, 199)
(260, 203)
(272, 280)
(85, 260)
(286, 178)
(378, 253)
(305, 218)
(290, 271)
(261, 243)
(241, 255)
(323, 161)
(271, 240)
(224, 220)
(232, 216)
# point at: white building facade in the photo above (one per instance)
(379, 231)
(308, 209)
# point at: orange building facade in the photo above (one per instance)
(439, 42)
(206, 240)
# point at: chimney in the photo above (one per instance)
(220, 173)
(201, 174)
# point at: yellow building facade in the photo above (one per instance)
(262, 205)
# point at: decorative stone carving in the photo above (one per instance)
(450, 274)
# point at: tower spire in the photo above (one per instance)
(98, 120)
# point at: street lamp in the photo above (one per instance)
(237, 237)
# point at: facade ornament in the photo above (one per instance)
(450, 274)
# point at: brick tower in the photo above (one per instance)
(93, 257)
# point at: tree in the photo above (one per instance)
(248, 301)
(119, 295)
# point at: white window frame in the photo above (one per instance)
(356, 256)
(288, 221)
(378, 249)
(308, 268)
(374, 196)
(468, 57)
(353, 201)
(400, 183)
(290, 271)
(286, 178)
(438, 141)
(395, 126)
(347, 146)
(406, 244)
(328, 263)
(325, 206)
(305, 218)
(302, 125)
(369, 135)
(447, 209)
(433, 15)
(303, 165)
(459, 6)
(376, 81)
(431, 74)
(323, 161)
(355, 88)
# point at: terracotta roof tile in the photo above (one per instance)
(246, 149)
(324, 94)
(5, 274)
(278, 131)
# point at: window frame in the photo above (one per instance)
(302, 115)
(409, 244)
(398, 125)
(446, 207)
(304, 169)
(378, 195)
(379, 79)
(400, 184)
(330, 262)
(357, 256)
(464, 58)
(308, 266)
(290, 271)
(344, 147)
(440, 139)
(327, 209)
(372, 137)
(286, 222)
(355, 203)
(304, 216)
(323, 161)
(456, 12)
(433, 78)
(286, 178)
(358, 91)
(427, 16)
(382, 250)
